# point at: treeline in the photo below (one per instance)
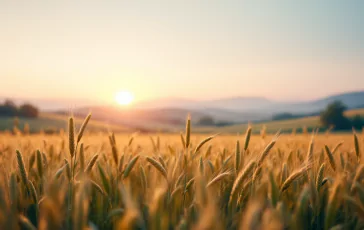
(288, 116)
(9, 109)
(333, 117)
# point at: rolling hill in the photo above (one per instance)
(169, 114)
(54, 123)
(258, 105)
(310, 122)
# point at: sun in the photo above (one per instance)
(124, 98)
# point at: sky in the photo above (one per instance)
(90, 50)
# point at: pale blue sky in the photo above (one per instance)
(284, 50)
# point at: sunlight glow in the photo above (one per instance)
(124, 98)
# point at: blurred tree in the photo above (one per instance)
(28, 110)
(357, 122)
(206, 121)
(333, 115)
(283, 116)
(8, 109)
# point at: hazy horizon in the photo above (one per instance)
(52, 104)
(88, 51)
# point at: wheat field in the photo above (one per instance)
(77, 180)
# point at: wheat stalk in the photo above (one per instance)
(83, 127)
(130, 166)
(91, 164)
(356, 145)
(71, 136)
(294, 176)
(320, 177)
(241, 177)
(21, 166)
(188, 132)
(331, 158)
(267, 149)
(218, 178)
(158, 166)
(247, 138)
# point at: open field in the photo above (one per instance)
(53, 122)
(169, 181)
(47, 121)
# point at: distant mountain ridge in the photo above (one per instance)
(257, 104)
